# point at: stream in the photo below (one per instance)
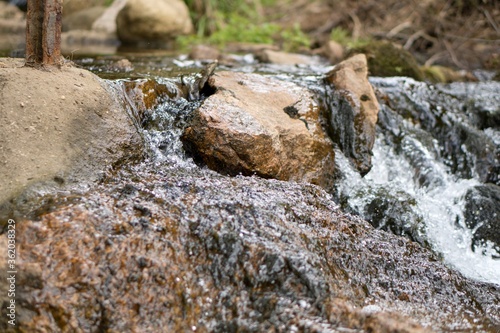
(435, 145)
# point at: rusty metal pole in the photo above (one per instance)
(43, 32)
(34, 27)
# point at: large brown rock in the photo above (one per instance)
(153, 21)
(263, 126)
(354, 111)
(59, 127)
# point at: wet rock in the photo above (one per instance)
(395, 213)
(463, 147)
(257, 125)
(59, 128)
(153, 21)
(144, 94)
(226, 254)
(285, 58)
(482, 215)
(82, 20)
(353, 111)
(387, 59)
(481, 103)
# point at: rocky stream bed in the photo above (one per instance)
(179, 238)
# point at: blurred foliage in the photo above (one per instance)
(344, 38)
(224, 21)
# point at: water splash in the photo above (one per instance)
(442, 208)
(408, 161)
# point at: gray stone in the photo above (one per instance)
(482, 215)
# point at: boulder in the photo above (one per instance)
(388, 59)
(482, 215)
(153, 21)
(353, 111)
(59, 128)
(263, 126)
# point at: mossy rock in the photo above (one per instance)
(441, 74)
(387, 59)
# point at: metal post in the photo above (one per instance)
(43, 32)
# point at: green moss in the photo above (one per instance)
(442, 74)
(433, 74)
(386, 59)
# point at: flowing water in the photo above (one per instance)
(434, 144)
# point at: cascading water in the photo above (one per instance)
(419, 187)
(428, 154)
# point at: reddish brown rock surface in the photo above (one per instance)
(167, 251)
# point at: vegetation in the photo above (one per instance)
(343, 37)
(221, 22)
